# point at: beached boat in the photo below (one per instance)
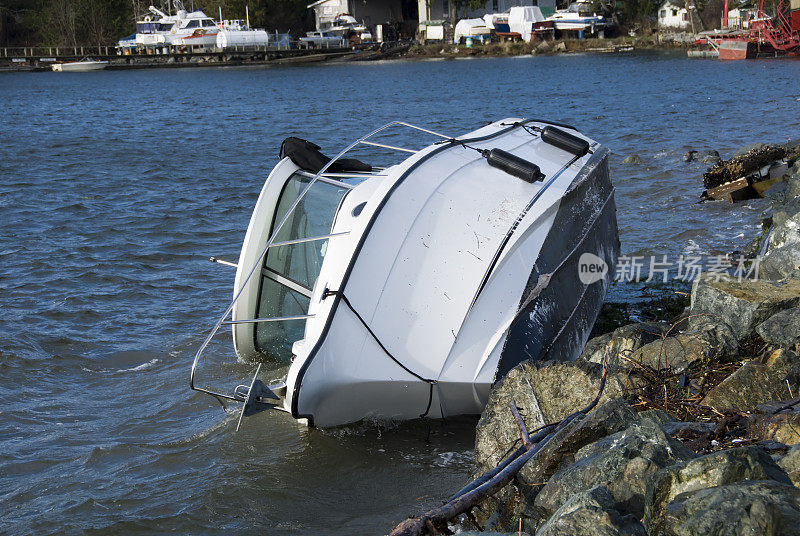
(193, 28)
(471, 29)
(80, 66)
(579, 17)
(407, 291)
(348, 27)
(520, 22)
(195, 31)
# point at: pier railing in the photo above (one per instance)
(43, 52)
(112, 50)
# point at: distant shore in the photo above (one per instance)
(37, 59)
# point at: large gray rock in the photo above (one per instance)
(781, 263)
(620, 344)
(506, 507)
(709, 156)
(782, 328)
(777, 192)
(708, 341)
(544, 393)
(765, 508)
(679, 427)
(658, 416)
(591, 513)
(767, 425)
(610, 418)
(792, 180)
(790, 463)
(785, 224)
(755, 383)
(742, 305)
(716, 469)
(621, 462)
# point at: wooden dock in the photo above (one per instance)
(42, 58)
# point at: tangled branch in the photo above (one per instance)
(435, 521)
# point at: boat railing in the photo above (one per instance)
(244, 395)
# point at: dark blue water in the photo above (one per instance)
(115, 187)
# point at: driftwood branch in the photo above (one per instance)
(435, 520)
(523, 430)
(791, 404)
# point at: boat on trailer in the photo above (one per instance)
(408, 291)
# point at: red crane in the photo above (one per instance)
(782, 32)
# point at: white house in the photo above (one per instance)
(739, 19)
(674, 16)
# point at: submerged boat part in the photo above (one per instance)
(407, 291)
(254, 397)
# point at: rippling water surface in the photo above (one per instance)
(117, 186)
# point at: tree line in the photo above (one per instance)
(104, 22)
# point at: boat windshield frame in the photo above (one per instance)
(321, 175)
(281, 293)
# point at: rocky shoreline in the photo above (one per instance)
(566, 46)
(697, 430)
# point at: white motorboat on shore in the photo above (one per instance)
(407, 291)
(194, 30)
(80, 66)
(182, 28)
(579, 17)
(348, 27)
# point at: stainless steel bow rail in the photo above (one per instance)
(257, 396)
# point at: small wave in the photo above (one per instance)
(693, 248)
(218, 426)
(143, 366)
(449, 459)
(137, 368)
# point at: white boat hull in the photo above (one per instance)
(591, 24)
(80, 66)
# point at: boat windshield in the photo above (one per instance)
(582, 8)
(152, 27)
(290, 271)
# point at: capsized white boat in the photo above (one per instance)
(407, 291)
(80, 66)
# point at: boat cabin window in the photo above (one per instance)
(581, 8)
(207, 23)
(290, 271)
(194, 23)
(152, 27)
